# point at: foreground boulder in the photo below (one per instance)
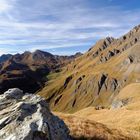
(27, 117)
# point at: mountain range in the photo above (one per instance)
(28, 71)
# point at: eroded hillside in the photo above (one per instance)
(96, 77)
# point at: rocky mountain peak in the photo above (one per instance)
(132, 35)
(39, 52)
(102, 43)
(136, 28)
(109, 39)
(27, 117)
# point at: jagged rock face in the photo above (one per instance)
(95, 78)
(27, 117)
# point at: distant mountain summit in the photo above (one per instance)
(28, 71)
(96, 77)
(4, 57)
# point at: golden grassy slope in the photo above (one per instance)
(80, 84)
(108, 124)
(127, 117)
(81, 128)
(76, 88)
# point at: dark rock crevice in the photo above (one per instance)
(101, 82)
(57, 99)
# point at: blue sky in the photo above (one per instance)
(63, 26)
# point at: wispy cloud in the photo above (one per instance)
(49, 24)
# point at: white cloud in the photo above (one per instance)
(41, 24)
(4, 6)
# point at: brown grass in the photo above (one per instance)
(81, 128)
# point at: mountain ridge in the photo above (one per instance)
(96, 77)
(28, 70)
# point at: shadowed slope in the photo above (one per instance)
(28, 71)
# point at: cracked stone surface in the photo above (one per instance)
(27, 117)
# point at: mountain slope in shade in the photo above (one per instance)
(4, 57)
(96, 78)
(28, 71)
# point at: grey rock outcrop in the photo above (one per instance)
(119, 103)
(27, 117)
